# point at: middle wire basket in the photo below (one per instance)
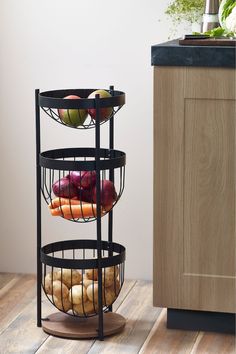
(68, 181)
(70, 275)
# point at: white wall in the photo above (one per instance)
(76, 44)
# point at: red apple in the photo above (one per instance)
(105, 112)
(73, 117)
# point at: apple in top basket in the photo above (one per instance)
(105, 112)
(73, 117)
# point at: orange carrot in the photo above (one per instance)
(86, 210)
(57, 202)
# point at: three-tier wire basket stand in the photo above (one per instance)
(81, 277)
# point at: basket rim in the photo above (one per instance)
(55, 99)
(49, 159)
(89, 263)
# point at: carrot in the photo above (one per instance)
(57, 202)
(86, 210)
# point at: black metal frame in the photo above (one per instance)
(61, 162)
(55, 256)
(51, 102)
(111, 159)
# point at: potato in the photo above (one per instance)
(87, 282)
(111, 293)
(48, 282)
(63, 305)
(109, 275)
(77, 294)
(85, 309)
(59, 289)
(92, 274)
(92, 292)
(66, 275)
(109, 297)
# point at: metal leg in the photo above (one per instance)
(111, 177)
(99, 233)
(38, 200)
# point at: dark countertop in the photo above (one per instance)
(172, 54)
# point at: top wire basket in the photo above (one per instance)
(80, 108)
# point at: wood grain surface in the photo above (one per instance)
(53, 344)
(15, 295)
(61, 325)
(209, 179)
(161, 341)
(141, 316)
(208, 343)
(168, 187)
(225, 42)
(194, 188)
(145, 333)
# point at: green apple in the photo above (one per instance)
(73, 117)
(105, 112)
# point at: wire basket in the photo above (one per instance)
(70, 275)
(68, 182)
(80, 113)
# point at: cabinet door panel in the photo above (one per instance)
(194, 189)
(209, 195)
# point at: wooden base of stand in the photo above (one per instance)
(61, 325)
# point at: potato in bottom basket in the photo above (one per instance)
(59, 289)
(48, 284)
(63, 305)
(69, 277)
(111, 293)
(86, 282)
(92, 274)
(109, 275)
(48, 280)
(77, 294)
(92, 292)
(85, 309)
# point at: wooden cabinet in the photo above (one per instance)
(194, 188)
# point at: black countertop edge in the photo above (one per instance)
(172, 54)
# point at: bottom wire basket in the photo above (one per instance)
(70, 275)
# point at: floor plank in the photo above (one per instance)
(216, 343)
(15, 295)
(22, 336)
(145, 331)
(140, 315)
(54, 345)
(162, 341)
(5, 278)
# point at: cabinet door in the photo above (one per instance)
(194, 189)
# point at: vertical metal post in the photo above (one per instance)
(38, 205)
(99, 228)
(111, 178)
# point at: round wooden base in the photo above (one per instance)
(61, 325)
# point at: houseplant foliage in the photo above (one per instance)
(191, 11)
(185, 10)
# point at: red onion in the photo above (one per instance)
(85, 195)
(108, 193)
(64, 188)
(83, 179)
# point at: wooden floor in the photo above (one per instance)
(145, 330)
